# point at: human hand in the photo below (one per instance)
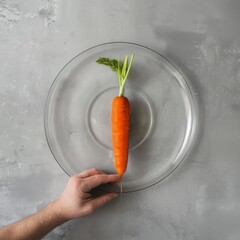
(77, 201)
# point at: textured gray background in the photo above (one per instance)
(201, 199)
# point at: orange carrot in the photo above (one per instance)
(120, 114)
(120, 132)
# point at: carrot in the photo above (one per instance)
(120, 114)
(120, 132)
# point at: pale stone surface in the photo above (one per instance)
(201, 198)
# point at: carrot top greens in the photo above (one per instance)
(122, 68)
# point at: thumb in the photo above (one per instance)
(100, 201)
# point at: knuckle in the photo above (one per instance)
(85, 187)
(98, 178)
(73, 179)
(76, 181)
(90, 209)
(106, 199)
(93, 170)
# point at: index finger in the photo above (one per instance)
(97, 180)
(89, 172)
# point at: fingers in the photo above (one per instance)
(89, 172)
(97, 180)
(100, 201)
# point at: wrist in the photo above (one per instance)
(57, 212)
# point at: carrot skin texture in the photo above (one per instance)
(120, 132)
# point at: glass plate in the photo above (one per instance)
(163, 115)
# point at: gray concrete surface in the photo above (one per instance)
(201, 199)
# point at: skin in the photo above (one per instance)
(76, 201)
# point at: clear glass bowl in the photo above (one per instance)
(163, 115)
